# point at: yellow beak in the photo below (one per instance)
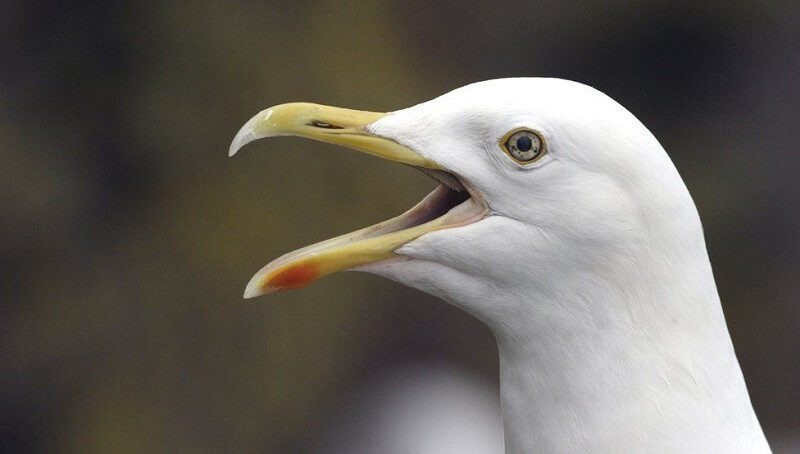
(372, 244)
(334, 125)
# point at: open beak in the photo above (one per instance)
(451, 204)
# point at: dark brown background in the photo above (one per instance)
(127, 235)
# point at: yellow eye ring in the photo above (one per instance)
(523, 145)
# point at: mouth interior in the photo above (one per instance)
(448, 205)
(435, 205)
(451, 204)
(442, 201)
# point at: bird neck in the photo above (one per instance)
(648, 365)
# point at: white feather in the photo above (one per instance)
(591, 271)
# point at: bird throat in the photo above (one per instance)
(643, 379)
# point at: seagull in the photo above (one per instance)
(561, 223)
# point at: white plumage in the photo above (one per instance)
(590, 268)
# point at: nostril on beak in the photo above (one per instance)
(323, 125)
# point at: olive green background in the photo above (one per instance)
(127, 234)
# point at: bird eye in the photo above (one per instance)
(523, 145)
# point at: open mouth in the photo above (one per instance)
(453, 203)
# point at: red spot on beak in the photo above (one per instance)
(294, 277)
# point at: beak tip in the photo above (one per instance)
(233, 147)
(256, 128)
(251, 291)
(255, 287)
(243, 137)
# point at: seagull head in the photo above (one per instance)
(562, 224)
(545, 185)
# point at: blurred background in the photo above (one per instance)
(127, 234)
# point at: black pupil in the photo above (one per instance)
(524, 143)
